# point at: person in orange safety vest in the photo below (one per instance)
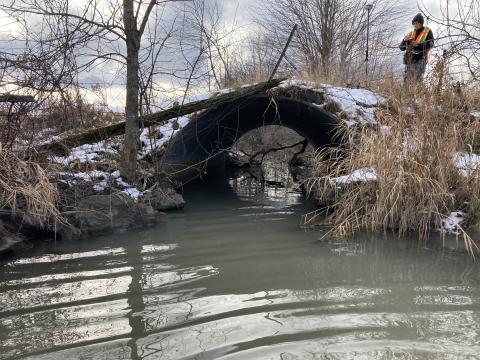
(416, 45)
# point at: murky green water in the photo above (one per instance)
(235, 277)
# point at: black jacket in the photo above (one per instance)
(417, 52)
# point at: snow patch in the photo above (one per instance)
(101, 186)
(155, 137)
(451, 224)
(183, 121)
(101, 180)
(299, 83)
(360, 175)
(85, 153)
(134, 193)
(359, 104)
(89, 176)
(475, 114)
(467, 164)
(225, 91)
(385, 130)
(362, 97)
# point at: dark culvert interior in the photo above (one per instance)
(204, 142)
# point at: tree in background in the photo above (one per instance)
(63, 38)
(459, 22)
(330, 40)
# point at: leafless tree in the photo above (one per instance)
(86, 35)
(331, 34)
(214, 39)
(459, 23)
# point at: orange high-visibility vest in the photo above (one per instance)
(421, 38)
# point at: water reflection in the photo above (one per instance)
(221, 280)
(271, 185)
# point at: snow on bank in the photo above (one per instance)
(133, 192)
(87, 153)
(358, 104)
(467, 164)
(155, 137)
(451, 224)
(100, 180)
(151, 139)
(360, 175)
(296, 83)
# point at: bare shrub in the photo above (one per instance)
(26, 125)
(459, 25)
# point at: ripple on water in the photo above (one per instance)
(341, 322)
(239, 281)
(155, 309)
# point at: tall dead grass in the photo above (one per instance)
(412, 151)
(26, 192)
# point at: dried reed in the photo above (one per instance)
(412, 151)
(26, 191)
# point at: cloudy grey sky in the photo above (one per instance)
(238, 12)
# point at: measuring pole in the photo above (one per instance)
(283, 52)
(369, 8)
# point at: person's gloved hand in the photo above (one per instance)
(418, 47)
(411, 43)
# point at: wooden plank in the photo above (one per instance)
(160, 117)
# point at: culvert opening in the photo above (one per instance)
(204, 143)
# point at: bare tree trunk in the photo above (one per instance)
(71, 39)
(128, 165)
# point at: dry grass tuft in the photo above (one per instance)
(26, 191)
(412, 151)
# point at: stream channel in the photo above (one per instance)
(235, 276)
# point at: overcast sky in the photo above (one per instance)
(235, 11)
(241, 9)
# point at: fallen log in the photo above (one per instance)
(11, 98)
(160, 117)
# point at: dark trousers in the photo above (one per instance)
(414, 72)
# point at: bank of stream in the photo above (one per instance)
(234, 276)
